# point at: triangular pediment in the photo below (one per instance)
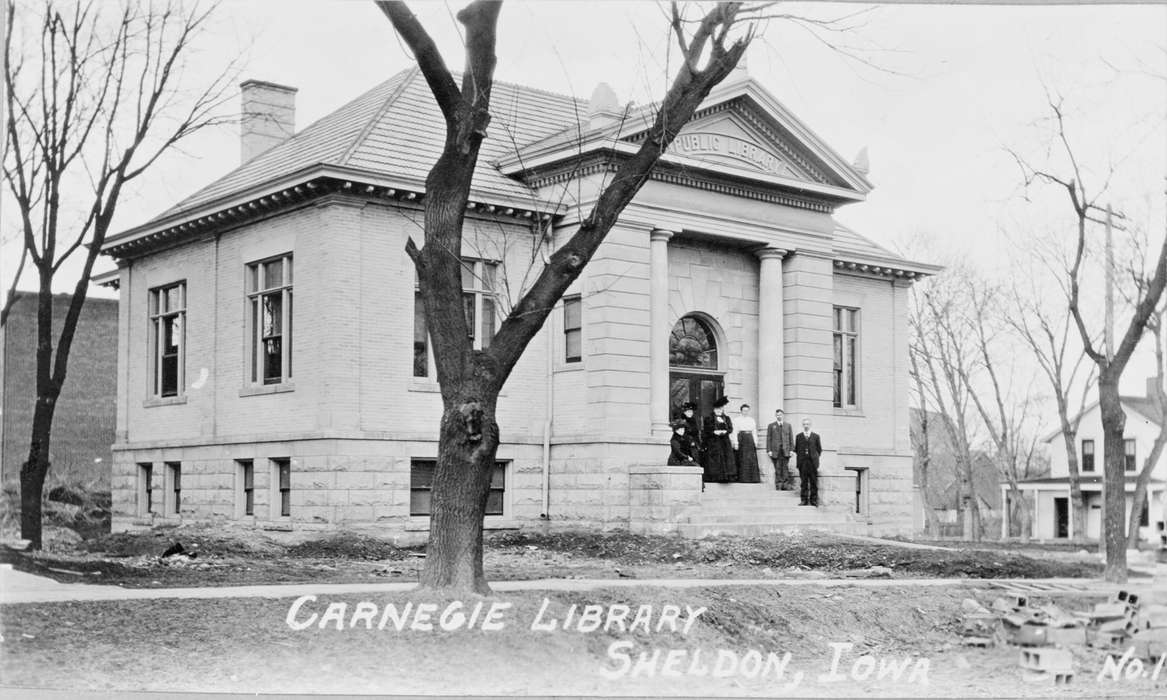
(738, 137)
(741, 132)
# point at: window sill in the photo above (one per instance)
(282, 524)
(850, 412)
(421, 523)
(424, 385)
(262, 389)
(164, 401)
(569, 367)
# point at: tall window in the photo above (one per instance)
(572, 329)
(421, 481)
(145, 488)
(1087, 455)
(269, 291)
(846, 341)
(1128, 449)
(174, 477)
(168, 338)
(282, 480)
(246, 481)
(477, 303)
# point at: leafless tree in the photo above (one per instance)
(1045, 329)
(1004, 414)
(942, 355)
(922, 438)
(94, 96)
(709, 48)
(1085, 204)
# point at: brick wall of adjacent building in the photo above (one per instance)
(83, 426)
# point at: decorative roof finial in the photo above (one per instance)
(862, 163)
(603, 100)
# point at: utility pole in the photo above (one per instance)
(1108, 340)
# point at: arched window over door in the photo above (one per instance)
(692, 344)
(693, 366)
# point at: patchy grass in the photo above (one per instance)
(79, 507)
(132, 559)
(807, 550)
(347, 545)
(246, 646)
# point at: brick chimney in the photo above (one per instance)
(268, 116)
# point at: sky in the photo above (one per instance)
(938, 95)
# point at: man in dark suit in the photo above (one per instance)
(808, 447)
(780, 447)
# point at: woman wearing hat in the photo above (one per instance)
(692, 427)
(719, 462)
(684, 447)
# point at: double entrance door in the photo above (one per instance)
(702, 389)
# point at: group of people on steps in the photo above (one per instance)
(725, 449)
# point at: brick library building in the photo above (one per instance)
(274, 369)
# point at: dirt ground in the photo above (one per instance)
(132, 559)
(248, 646)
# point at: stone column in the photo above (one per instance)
(771, 361)
(658, 386)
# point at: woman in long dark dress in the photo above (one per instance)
(682, 447)
(747, 450)
(692, 427)
(718, 460)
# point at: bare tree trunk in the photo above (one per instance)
(924, 454)
(1114, 490)
(466, 457)
(1077, 498)
(35, 469)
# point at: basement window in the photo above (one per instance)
(245, 493)
(174, 493)
(145, 488)
(860, 488)
(281, 479)
(421, 480)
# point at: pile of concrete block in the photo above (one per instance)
(1047, 634)
(1043, 663)
(1111, 624)
(1122, 622)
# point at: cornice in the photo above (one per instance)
(884, 271)
(676, 175)
(248, 211)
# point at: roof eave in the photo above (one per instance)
(600, 143)
(304, 177)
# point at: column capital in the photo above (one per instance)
(660, 234)
(770, 252)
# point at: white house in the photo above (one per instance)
(1050, 496)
